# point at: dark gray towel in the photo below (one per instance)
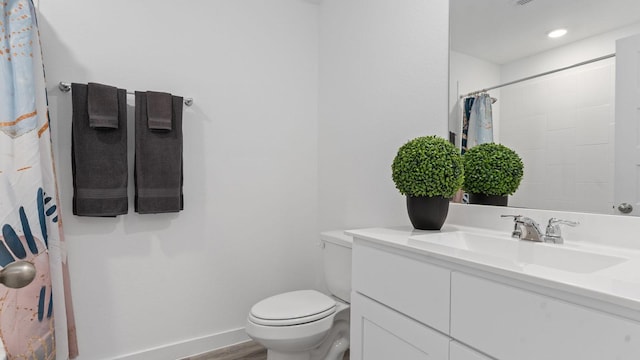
(158, 164)
(99, 160)
(159, 110)
(103, 106)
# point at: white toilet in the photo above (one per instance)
(307, 324)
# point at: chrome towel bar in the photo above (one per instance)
(66, 87)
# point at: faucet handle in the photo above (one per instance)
(525, 228)
(553, 233)
(515, 217)
(554, 221)
(553, 228)
(517, 232)
(522, 219)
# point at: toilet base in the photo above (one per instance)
(275, 355)
(337, 351)
(333, 348)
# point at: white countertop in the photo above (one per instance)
(618, 284)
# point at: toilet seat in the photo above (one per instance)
(292, 308)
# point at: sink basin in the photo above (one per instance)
(521, 253)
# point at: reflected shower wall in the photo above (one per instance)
(562, 125)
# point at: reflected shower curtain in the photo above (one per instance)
(467, 104)
(480, 121)
(36, 322)
(477, 128)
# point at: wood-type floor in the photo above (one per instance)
(249, 350)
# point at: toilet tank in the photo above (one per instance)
(336, 256)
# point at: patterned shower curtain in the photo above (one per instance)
(36, 322)
(467, 104)
(480, 121)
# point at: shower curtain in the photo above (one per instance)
(480, 121)
(467, 104)
(36, 322)
(477, 128)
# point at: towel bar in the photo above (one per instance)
(66, 87)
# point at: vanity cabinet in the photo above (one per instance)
(411, 306)
(388, 316)
(386, 277)
(512, 323)
(387, 334)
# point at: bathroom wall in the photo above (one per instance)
(383, 81)
(300, 106)
(170, 285)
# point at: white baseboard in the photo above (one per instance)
(191, 347)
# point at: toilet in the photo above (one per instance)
(307, 324)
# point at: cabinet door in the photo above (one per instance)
(458, 351)
(514, 324)
(379, 333)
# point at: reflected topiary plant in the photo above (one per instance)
(428, 166)
(492, 169)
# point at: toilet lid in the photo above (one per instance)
(292, 308)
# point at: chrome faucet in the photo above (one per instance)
(554, 234)
(526, 228)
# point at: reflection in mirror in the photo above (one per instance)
(562, 124)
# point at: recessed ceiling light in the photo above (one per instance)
(557, 33)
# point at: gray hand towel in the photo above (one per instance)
(158, 164)
(159, 110)
(99, 160)
(103, 106)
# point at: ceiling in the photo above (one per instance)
(501, 31)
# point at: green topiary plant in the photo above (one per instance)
(492, 169)
(428, 166)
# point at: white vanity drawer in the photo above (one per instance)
(414, 288)
(514, 324)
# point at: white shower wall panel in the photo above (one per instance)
(562, 126)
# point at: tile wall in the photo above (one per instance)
(562, 125)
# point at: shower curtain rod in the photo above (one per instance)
(66, 87)
(539, 75)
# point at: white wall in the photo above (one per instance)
(383, 81)
(185, 282)
(261, 169)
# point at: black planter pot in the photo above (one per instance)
(482, 199)
(427, 212)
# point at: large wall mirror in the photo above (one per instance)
(561, 124)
